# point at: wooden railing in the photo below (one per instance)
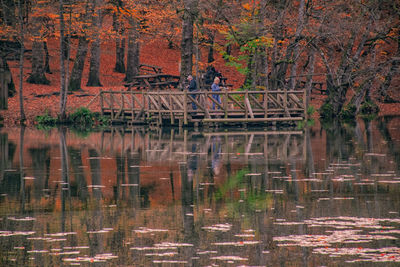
(235, 106)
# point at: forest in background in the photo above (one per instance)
(352, 47)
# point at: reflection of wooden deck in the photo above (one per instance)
(176, 145)
(175, 107)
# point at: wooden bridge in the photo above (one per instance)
(175, 107)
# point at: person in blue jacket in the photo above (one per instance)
(215, 88)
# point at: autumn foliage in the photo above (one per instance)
(352, 48)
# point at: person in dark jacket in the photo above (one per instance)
(192, 87)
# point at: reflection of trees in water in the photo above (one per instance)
(94, 220)
(78, 186)
(138, 196)
(41, 169)
(187, 171)
(9, 178)
(393, 147)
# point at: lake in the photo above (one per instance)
(175, 197)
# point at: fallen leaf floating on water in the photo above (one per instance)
(171, 261)
(165, 254)
(25, 219)
(144, 230)
(380, 232)
(236, 244)
(225, 227)
(102, 231)
(382, 174)
(152, 248)
(289, 223)
(245, 235)
(96, 186)
(206, 252)
(98, 258)
(375, 155)
(65, 253)
(253, 174)
(346, 236)
(15, 233)
(38, 251)
(229, 258)
(61, 234)
(168, 244)
(388, 254)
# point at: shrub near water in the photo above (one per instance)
(46, 119)
(81, 118)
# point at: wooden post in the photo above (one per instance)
(102, 103)
(133, 107)
(246, 112)
(226, 102)
(122, 112)
(171, 104)
(185, 110)
(159, 109)
(266, 104)
(248, 106)
(112, 106)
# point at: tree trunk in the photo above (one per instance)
(79, 64)
(189, 14)
(46, 59)
(120, 55)
(63, 93)
(210, 57)
(21, 65)
(309, 79)
(132, 65)
(383, 88)
(296, 49)
(119, 45)
(276, 79)
(94, 68)
(38, 68)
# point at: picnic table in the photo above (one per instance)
(149, 69)
(157, 81)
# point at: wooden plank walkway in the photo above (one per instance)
(175, 107)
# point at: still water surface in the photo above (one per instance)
(134, 197)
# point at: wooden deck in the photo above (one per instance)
(175, 145)
(175, 107)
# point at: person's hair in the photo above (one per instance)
(216, 79)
